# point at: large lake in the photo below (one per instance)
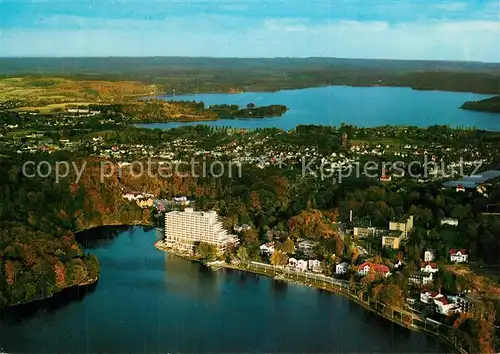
(361, 106)
(147, 301)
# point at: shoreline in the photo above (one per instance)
(87, 282)
(375, 85)
(83, 285)
(337, 290)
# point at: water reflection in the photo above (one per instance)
(18, 314)
(191, 279)
(100, 237)
(278, 286)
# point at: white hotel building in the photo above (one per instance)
(183, 229)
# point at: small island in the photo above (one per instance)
(251, 111)
(491, 104)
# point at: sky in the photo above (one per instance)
(466, 30)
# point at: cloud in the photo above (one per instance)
(452, 7)
(238, 36)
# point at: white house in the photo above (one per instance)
(445, 306)
(242, 228)
(267, 248)
(429, 256)
(364, 269)
(181, 200)
(420, 278)
(302, 265)
(314, 265)
(307, 246)
(429, 267)
(449, 221)
(341, 268)
(459, 256)
(427, 297)
(439, 302)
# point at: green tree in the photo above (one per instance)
(206, 251)
(242, 254)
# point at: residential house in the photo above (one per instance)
(398, 265)
(444, 306)
(420, 278)
(267, 248)
(481, 189)
(181, 201)
(301, 265)
(242, 228)
(386, 178)
(429, 256)
(292, 262)
(459, 256)
(314, 265)
(449, 221)
(341, 268)
(427, 297)
(366, 267)
(439, 302)
(307, 246)
(429, 267)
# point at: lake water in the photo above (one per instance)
(361, 106)
(147, 301)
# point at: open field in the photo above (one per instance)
(51, 93)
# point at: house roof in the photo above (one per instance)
(433, 265)
(378, 267)
(419, 275)
(432, 294)
(442, 299)
(454, 251)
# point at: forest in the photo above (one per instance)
(190, 75)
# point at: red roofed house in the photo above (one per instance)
(365, 268)
(427, 296)
(445, 306)
(440, 302)
(430, 267)
(459, 256)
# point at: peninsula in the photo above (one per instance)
(491, 104)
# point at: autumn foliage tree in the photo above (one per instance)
(479, 324)
(279, 259)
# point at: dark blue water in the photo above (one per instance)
(147, 301)
(361, 106)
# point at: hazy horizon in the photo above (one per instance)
(242, 58)
(436, 30)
